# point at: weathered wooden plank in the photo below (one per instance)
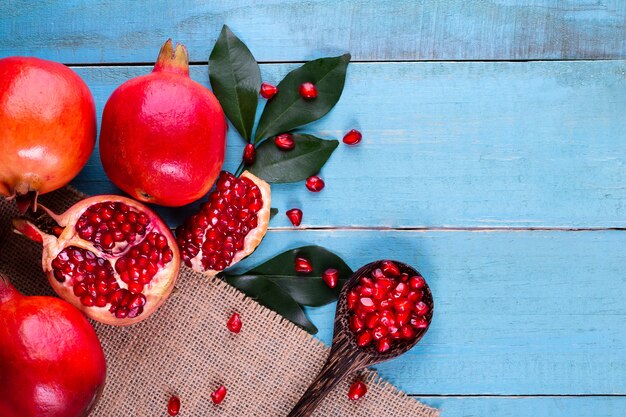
(528, 406)
(74, 31)
(515, 312)
(538, 144)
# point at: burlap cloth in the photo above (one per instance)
(185, 349)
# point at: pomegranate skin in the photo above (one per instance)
(47, 125)
(51, 362)
(163, 135)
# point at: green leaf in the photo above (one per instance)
(273, 212)
(273, 297)
(309, 289)
(287, 110)
(236, 79)
(306, 159)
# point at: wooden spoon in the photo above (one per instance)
(346, 356)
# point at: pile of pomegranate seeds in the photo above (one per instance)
(218, 395)
(284, 141)
(295, 216)
(352, 137)
(222, 223)
(387, 306)
(234, 323)
(308, 91)
(315, 184)
(173, 406)
(268, 90)
(357, 390)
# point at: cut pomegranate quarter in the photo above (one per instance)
(229, 226)
(110, 256)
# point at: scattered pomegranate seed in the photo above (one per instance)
(285, 141)
(303, 266)
(249, 154)
(308, 91)
(218, 395)
(234, 323)
(295, 216)
(385, 307)
(173, 406)
(352, 137)
(268, 90)
(315, 184)
(330, 277)
(357, 390)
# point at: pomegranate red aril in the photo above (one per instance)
(218, 395)
(113, 276)
(383, 345)
(367, 305)
(229, 225)
(268, 90)
(363, 338)
(379, 332)
(357, 391)
(403, 317)
(356, 324)
(331, 277)
(407, 332)
(173, 406)
(249, 154)
(386, 307)
(421, 308)
(307, 91)
(352, 137)
(351, 299)
(417, 282)
(234, 323)
(372, 320)
(419, 322)
(303, 266)
(284, 141)
(390, 269)
(415, 296)
(295, 216)
(315, 184)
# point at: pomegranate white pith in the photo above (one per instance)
(229, 226)
(116, 272)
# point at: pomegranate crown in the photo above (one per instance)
(170, 59)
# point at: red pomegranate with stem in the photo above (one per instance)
(109, 256)
(163, 135)
(47, 127)
(51, 362)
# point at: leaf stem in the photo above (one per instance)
(239, 169)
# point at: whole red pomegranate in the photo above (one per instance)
(47, 127)
(163, 135)
(51, 362)
(109, 256)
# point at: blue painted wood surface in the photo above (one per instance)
(79, 31)
(528, 322)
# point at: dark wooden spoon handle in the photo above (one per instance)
(342, 361)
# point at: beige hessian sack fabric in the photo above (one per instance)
(185, 349)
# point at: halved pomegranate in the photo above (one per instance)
(229, 226)
(110, 256)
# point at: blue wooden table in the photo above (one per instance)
(493, 159)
